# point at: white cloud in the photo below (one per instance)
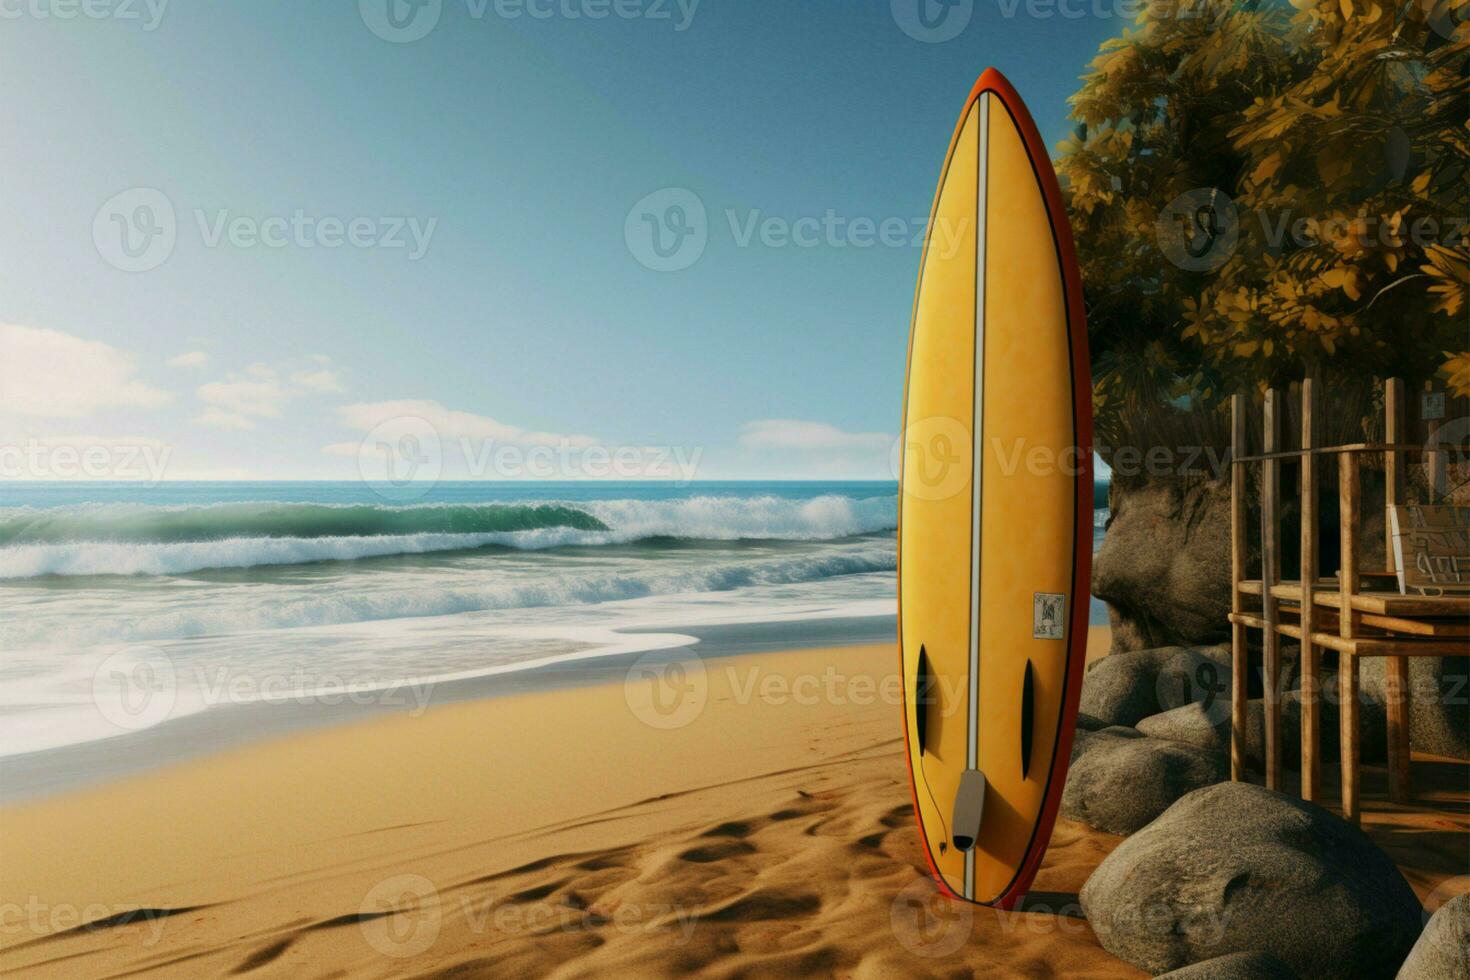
(321, 379)
(243, 395)
(50, 374)
(794, 434)
(219, 418)
(189, 359)
(449, 424)
(318, 374)
(262, 391)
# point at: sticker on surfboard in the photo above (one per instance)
(1046, 614)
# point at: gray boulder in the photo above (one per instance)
(1193, 675)
(1164, 566)
(1122, 688)
(1088, 723)
(1443, 951)
(1237, 868)
(1120, 779)
(1208, 726)
(1439, 713)
(1236, 966)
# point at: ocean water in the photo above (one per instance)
(216, 593)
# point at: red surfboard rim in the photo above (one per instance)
(993, 82)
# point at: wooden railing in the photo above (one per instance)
(1334, 613)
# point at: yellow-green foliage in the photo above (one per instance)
(1340, 132)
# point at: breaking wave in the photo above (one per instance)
(128, 539)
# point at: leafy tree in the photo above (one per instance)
(1261, 191)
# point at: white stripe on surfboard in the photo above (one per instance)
(972, 755)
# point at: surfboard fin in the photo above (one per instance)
(923, 693)
(969, 808)
(1028, 718)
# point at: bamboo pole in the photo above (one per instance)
(1395, 669)
(1239, 667)
(1393, 473)
(1396, 692)
(1270, 575)
(1310, 666)
(1347, 673)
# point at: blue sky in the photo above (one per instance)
(447, 228)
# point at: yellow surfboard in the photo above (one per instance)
(995, 506)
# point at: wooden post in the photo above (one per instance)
(1239, 654)
(1347, 673)
(1270, 576)
(1396, 692)
(1393, 474)
(1311, 692)
(1395, 669)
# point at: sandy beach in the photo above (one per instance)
(759, 825)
